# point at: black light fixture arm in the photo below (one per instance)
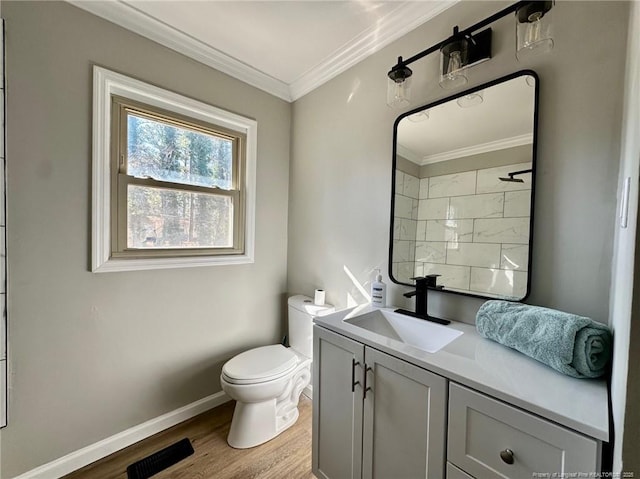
(463, 33)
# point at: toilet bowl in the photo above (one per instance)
(267, 381)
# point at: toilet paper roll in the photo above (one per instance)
(318, 299)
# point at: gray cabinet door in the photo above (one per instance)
(337, 406)
(404, 420)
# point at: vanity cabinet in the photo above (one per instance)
(374, 415)
(488, 438)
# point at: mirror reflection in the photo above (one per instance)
(463, 171)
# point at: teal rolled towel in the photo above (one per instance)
(574, 345)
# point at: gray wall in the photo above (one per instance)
(94, 354)
(340, 177)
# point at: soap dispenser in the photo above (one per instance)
(378, 292)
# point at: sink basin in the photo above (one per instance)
(421, 334)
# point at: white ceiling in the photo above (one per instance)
(286, 48)
(504, 119)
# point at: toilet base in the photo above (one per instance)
(255, 423)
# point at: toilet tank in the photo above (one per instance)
(300, 317)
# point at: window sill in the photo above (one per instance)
(112, 265)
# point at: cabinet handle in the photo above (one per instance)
(507, 456)
(354, 363)
(365, 388)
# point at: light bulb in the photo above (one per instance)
(453, 74)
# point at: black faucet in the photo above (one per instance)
(423, 285)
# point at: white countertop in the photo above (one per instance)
(496, 370)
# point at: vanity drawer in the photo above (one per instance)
(454, 473)
(490, 439)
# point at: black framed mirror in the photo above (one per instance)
(463, 188)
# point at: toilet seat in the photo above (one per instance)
(258, 365)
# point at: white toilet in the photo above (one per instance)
(266, 382)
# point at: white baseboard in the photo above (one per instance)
(85, 456)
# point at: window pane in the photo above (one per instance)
(170, 153)
(162, 218)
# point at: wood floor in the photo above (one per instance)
(288, 456)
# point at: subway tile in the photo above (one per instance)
(399, 186)
(419, 269)
(501, 230)
(489, 179)
(411, 187)
(485, 255)
(457, 184)
(394, 270)
(450, 230)
(421, 230)
(517, 203)
(456, 277)
(435, 209)
(397, 227)
(424, 189)
(408, 230)
(430, 252)
(401, 251)
(403, 207)
(515, 256)
(503, 283)
(405, 272)
(477, 206)
(404, 229)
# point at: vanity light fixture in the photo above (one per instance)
(399, 85)
(471, 46)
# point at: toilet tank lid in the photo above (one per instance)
(305, 304)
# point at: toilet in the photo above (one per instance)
(267, 381)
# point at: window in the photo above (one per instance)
(174, 179)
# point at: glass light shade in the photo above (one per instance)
(472, 99)
(453, 59)
(398, 92)
(418, 117)
(533, 29)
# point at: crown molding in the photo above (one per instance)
(389, 28)
(139, 22)
(514, 141)
(407, 154)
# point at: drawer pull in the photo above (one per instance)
(507, 456)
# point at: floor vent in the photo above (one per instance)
(161, 460)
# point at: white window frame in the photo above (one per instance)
(107, 84)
